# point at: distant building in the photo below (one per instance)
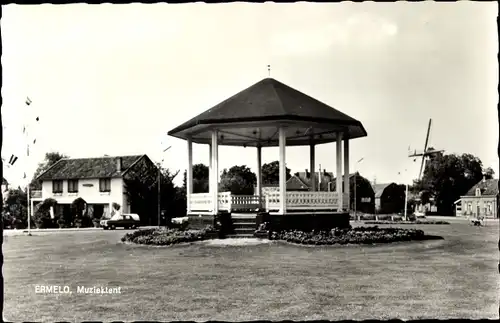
(326, 182)
(389, 198)
(481, 200)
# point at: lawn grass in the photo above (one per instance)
(452, 278)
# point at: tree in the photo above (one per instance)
(271, 173)
(238, 180)
(42, 216)
(447, 177)
(364, 189)
(78, 210)
(15, 211)
(393, 199)
(142, 183)
(50, 159)
(489, 173)
(200, 178)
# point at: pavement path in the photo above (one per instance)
(14, 232)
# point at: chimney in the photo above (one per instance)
(119, 164)
(307, 174)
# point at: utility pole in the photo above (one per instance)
(406, 198)
(406, 202)
(159, 196)
(25, 132)
(356, 184)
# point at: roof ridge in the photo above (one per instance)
(96, 157)
(280, 101)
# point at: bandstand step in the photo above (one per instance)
(245, 225)
(236, 236)
(244, 230)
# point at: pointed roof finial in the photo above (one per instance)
(269, 70)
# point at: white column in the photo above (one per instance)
(339, 170)
(214, 177)
(210, 161)
(346, 172)
(189, 175)
(259, 172)
(311, 167)
(282, 144)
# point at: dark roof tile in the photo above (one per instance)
(97, 167)
(488, 187)
(270, 99)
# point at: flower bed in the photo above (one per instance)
(165, 237)
(359, 235)
(408, 222)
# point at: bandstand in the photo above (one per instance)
(269, 114)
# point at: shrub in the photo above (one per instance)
(164, 237)
(359, 235)
(399, 221)
(78, 207)
(96, 222)
(61, 222)
(42, 217)
(116, 206)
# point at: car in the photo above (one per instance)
(126, 221)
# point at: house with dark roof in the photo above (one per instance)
(99, 181)
(481, 200)
(389, 198)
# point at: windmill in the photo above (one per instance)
(427, 152)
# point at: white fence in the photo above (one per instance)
(271, 201)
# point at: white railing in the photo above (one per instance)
(201, 202)
(225, 201)
(311, 200)
(245, 202)
(271, 201)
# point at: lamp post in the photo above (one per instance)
(406, 198)
(356, 184)
(27, 138)
(159, 188)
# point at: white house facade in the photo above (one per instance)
(98, 181)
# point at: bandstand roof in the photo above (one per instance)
(252, 117)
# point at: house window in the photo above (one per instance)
(73, 186)
(57, 186)
(478, 192)
(105, 185)
(469, 207)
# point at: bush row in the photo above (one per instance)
(359, 235)
(410, 222)
(165, 237)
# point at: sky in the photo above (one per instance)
(114, 79)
